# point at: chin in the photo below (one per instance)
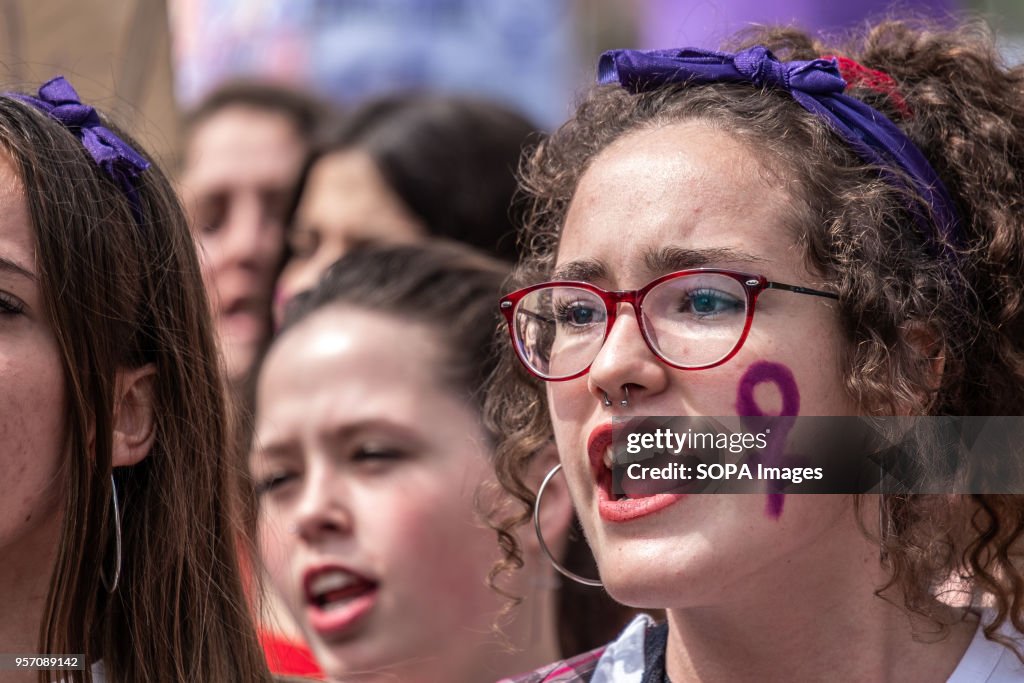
(240, 360)
(672, 578)
(348, 663)
(644, 591)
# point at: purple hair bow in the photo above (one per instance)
(116, 157)
(816, 86)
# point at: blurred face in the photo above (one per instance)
(368, 469)
(691, 196)
(31, 388)
(241, 168)
(345, 202)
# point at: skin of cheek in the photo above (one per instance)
(31, 430)
(407, 531)
(767, 372)
(276, 546)
(429, 527)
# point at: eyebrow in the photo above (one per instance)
(668, 259)
(584, 270)
(278, 447)
(7, 265)
(352, 431)
(660, 260)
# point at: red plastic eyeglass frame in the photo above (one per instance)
(752, 285)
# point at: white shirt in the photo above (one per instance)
(989, 662)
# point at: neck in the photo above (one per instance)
(528, 641)
(812, 620)
(23, 588)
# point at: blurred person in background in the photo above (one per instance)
(402, 168)
(244, 148)
(372, 466)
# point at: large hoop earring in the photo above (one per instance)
(111, 586)
(544, 546)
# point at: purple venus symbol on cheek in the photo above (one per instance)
(764, 372)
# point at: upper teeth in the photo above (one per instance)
(331, 581)
(608, 457)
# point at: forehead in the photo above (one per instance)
(242, 142)
(346, 200)
(349, 181)
(343, 365)
(17, 243)
(685, 185)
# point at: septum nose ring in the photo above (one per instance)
(624, 402)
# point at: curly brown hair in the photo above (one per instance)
(860, 233)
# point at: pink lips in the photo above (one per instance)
(360, 596)
(627, 509)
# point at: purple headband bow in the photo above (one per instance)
(116, 157)
(817, 87)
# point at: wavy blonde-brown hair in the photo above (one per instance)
(967, 117)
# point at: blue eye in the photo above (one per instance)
(578, 314)
(710, 302)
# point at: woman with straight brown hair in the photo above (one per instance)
(119, 506)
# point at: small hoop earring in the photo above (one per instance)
(112, 586)
(625, 402)
(607, 401)
(540, 536)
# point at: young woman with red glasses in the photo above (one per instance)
(781, 231)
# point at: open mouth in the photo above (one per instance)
(633, 499)
(337, 599)
(332, 589)
(243, 318)
(600, 452)
(608, 470)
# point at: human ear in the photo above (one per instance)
(927, 344)
(134, 419)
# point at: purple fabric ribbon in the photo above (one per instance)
(816, 86)
(116, 157)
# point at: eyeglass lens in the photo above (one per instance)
(690, 321)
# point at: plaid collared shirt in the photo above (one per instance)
(636, 656)
(576, 669)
